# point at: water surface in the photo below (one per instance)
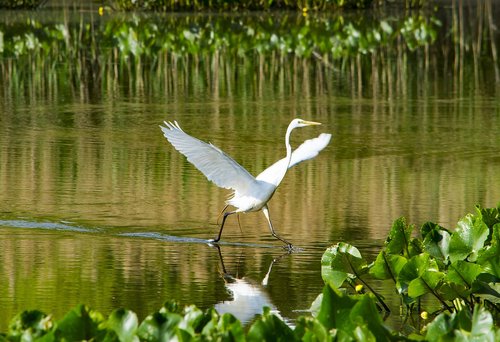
(97, 208)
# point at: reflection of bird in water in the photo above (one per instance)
(250, 193)
(247, 300)
(247, 297)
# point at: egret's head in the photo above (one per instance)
(302, 123)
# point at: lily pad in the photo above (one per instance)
(341, 262)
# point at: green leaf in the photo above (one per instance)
(415, 247)
(436, 240)
(462, 326)
(442, 326)
(468, 239)
(123, 323)
(450, 291)
(160, 326)
(399, 237)
(365, 314)
(269, 327)
(463, 273)
(363, 333)
(80, 323)
(482, 324)
(490, 216)
(487, 287)
(342, 262)
(316, 305)
(29, 325)
(419, 276)
(225, 327)
(310, 329)
(387, 266)
(229, 328)
(386, 27)
(194, 319)
(351, 316)
(335, 309)
(489, 256)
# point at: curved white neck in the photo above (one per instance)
(288, 157)
(275, 173)
(288, 146)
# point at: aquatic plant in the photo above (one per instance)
(91, 53)
(146, 37)
(16, 4)
(460, 269)
(228, 5)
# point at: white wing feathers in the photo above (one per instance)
(310, 149)
(217, 166)
(307, 150)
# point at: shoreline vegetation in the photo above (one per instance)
(226, 5)
(370, 53)
(457, 272)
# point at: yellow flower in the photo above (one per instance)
(101, 10)
(424, 315)
(359, 287)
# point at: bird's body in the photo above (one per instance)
(253, 199)
(250, 193)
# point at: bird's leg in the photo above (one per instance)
(239, 223)
(238, 216)
(289, 245)
(226, 214)
(221, 212)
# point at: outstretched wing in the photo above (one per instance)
(217, 166)
(308, 150)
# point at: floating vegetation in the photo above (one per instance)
(459, 270)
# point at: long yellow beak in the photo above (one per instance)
(311, 123)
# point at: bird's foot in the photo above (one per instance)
(213, 242)
(291, 248)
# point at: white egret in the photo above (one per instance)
(249, 193)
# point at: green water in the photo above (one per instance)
(96, 207)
